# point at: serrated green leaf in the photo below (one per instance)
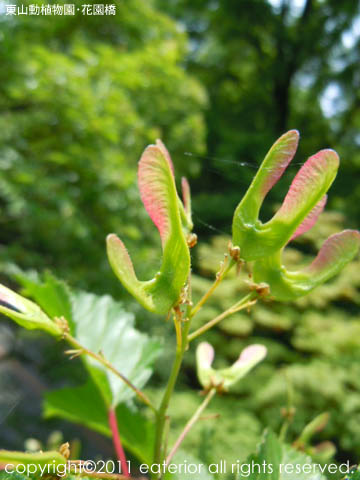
(84, 405)
(273, 456)
(101, 325)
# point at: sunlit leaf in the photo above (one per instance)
(101, 325)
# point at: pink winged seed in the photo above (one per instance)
(309, 177)
(166, 154)
(311, 219)
(185, 193)
(284, 149)
(338, 249)
(206, 353)
(249, 353)
(153, 173)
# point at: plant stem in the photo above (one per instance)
(52, 458)
(225, 267)
(117, 442)
(245, 302)
(190, 424)
(166, 436)
(108, 476)
(80, 349)
(161, 413)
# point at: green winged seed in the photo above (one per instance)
(337, 251)
(25, 313)
(246, 224)
(270, 171)
(158, 193)
(302, 204)
(223, 379)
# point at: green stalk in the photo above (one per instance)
(226, 266)
(191, 423)
(52, 458)
(161, 413)
(242, 304)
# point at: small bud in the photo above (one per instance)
(262, 289)
(25, 313)
(234, 252)
(65, 450)
(191, 240)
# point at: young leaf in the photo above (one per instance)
(52, 294)
(26, 313)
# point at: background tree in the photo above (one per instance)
(269, 66)
(80, 98)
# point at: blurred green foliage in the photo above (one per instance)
(80, 98)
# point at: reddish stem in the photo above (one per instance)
(117, 442)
